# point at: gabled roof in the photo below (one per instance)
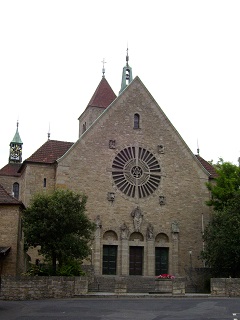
(11, 169)
(50, 151)
(6, 198)
(211, 170)
(103, 95)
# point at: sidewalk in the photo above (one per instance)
(141, 295)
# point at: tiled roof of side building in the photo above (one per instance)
(10, 169)
(50, 151)
(6, 198)
(208, 167)
(103, 95)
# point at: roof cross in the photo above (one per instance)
(103, 69)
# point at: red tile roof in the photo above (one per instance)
(6, 198)
(50, 151)
(208, 167)
(11, 169)
(103, 96)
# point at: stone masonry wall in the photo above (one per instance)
(33, 288)
(87, 168)
(10, 236)
(229, 287)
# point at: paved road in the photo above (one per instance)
(122, 309)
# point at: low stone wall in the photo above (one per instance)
(33, 288)
(175, 286)
(229, 287)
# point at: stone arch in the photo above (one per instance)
(161, 238)
(110, 235)
(136, 236)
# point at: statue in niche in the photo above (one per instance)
(150, 232)
(98, 224)
(124, 231)
(137, 218)
(175, 227)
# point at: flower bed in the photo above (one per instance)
(165, 276)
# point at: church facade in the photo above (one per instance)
(146, 189)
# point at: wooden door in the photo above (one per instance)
(161, 261)
(109, 259)
(135, 260)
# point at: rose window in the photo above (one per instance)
(136, 172)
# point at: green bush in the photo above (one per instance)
(70, 268)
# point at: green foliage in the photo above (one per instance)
(225, 185)
(222, 238)
(69, 268)
(57, 222)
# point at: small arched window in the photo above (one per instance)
(16, 190)
(44, 183)
(136, 121)
(84, 127)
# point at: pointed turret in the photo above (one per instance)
(126, 74)
(101, 99)
(15, 154)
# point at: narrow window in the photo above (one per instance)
(44, 183)
(16, 190)
(84, 127)
(136, 121)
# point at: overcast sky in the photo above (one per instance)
(187, 53)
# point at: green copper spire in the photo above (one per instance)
(16, 138)
(126, 74)
(15, 155)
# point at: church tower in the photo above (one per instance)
(15, 154)
(126, 75)
(101, 99)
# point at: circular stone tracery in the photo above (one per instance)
(136, 172)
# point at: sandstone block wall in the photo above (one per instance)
(33, 288)
(229, 287)
(11, 236)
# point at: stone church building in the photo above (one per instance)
(146, 189)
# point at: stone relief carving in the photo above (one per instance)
(150, 232)
(137, 218)
(160, 148)
(175, 227)
(162, 200)
(112, 144)
(124, 231)
(111, 196)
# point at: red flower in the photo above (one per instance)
(165, 276)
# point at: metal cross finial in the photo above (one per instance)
(48, 132)
(103, 69)
(127, 57)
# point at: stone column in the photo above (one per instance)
(175, 245)
(125, 257)
(150, 252)
(97, 247)
(124, 250)
(150, 258)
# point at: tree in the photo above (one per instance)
(222, 238)
(225, 185)
(57, 222)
